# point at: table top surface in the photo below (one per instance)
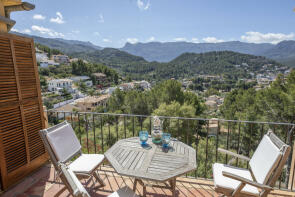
(151, 162)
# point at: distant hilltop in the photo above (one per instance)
(283, 52)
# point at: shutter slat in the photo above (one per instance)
(21, 148)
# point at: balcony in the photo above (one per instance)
(99, 131)
(43, 183)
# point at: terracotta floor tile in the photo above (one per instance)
(43, 183)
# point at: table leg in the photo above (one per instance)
(143, 187)
(134, 185)
(173, 185)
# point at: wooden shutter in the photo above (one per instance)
(21, 111)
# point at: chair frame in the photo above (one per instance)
(265, 189)
(43, 133)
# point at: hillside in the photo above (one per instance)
(66, 46)
(110, 56)
(164, 52)
(185, 65)
(234, 64)
(283, 52)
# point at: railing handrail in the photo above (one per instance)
(201, 138)
(175, 117)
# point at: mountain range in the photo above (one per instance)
(283, 52)
(164, 52)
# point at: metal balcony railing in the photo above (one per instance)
(99, 131)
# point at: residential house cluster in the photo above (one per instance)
(214, 101)
(44, 61)
(57, 85)
(86, 104)
(62, 59)
(143, 85)
(83, 79)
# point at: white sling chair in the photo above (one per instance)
(62, 146)
(77, 190)
(266, 166)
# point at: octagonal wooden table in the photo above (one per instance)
(152, 162)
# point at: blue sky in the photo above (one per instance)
(112, 23)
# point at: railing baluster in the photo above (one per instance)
(291, 143)
(125, 127)
(238, 148)
(94, 127)
(206, 159)
(227, 142)
(133, 126)
(196, 143)
(117, 129)
(217, 141)
(178, 129)
(101, 133)
(250, 142)
(86, 126)
(140, 123)
(80, 134)
(109, 128)
(72, 120)
(187, 133)
(150, 125)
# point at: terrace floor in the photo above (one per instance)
(43, 183)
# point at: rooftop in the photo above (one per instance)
(92, 99)
(61, 80)
(99, 74)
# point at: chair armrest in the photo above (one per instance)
(233, 154)
(247, 181)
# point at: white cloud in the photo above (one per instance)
(132, 40)
(101, 18)
(151, 39)
(15, 30)
(195, 40)
(106, 40)
(273, 38)
(27, 31)
(212, 40)
(142, 6)
(180, 39)
(96, 33)
(59, 19)
(43, 30)
(39, 17)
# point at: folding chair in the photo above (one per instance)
(266, 166)
(76, 188)
(63, 146)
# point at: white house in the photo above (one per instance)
(41, 57)
(46, 63)
(56, 85)
(84, 79)
(62, 59)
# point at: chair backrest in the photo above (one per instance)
(268, 159)
(62, 141)
(72, 182)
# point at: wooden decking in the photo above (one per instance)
(43, 183)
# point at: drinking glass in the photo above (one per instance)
(166, 137)
(143, 137)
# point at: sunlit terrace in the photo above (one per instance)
(97, 132)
